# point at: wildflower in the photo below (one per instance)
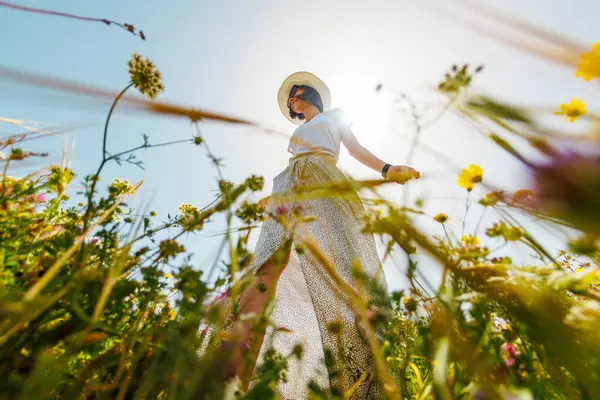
(190, 220)
(469, 240)
(172, 314)
(169, 248)
(255, 183)
(490, 199)
(120, 187)
(572, 111)
(225, 186)
(496, 229)
(457, 79)
(410, 303)
(249, 212)
(168, 276)
(297, 209)
(589, 64)
(17, 154)
(441, 218)
(512, 234)
(509, 354)
(469, 176)
(145, 76)
(188, 209)
(282, 210)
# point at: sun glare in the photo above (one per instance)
(367, 109)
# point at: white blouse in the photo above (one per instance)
(323, 133)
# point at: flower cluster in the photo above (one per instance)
(120, 187)
(458, 79)
(144, 76)
(250, 212)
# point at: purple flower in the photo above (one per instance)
(568, 187)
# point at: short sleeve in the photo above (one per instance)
(343, 122)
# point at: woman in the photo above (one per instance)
(308, 302)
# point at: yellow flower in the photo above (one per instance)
(469, 176)
(490, 199)
(441, 218)
(572, 111)
(589, 65)
(469, 240)
(167, 276)
(188, 209)
(172, 314)
(513, 233)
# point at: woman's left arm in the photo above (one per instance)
(398, 173)
(362, 154)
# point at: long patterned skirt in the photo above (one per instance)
(308, 302)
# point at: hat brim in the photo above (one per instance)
(302, 78)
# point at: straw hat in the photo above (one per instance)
(302, 78)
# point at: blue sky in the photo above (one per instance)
(231, 57)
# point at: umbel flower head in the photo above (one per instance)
(145, 76)
(571, 111)
(589, 65)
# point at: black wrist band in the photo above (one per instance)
(384, 169)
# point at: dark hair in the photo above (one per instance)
(310, 95)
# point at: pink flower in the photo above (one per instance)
(281, 210)
(509, 354)
(510, 349)
(40, 197)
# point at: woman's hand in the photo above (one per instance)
(401, 174)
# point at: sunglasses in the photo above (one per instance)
(301, 96)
